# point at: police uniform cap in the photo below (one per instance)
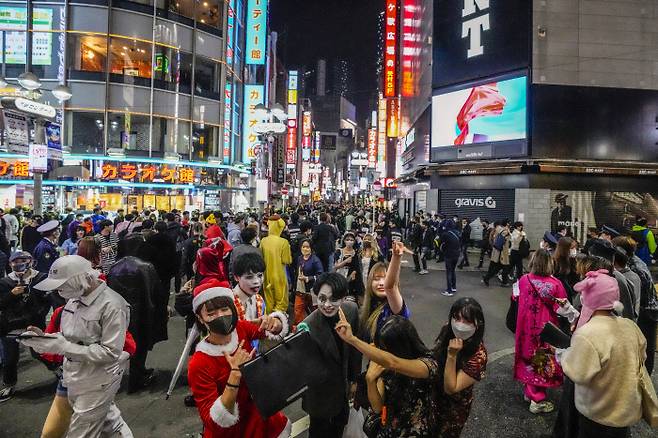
(610, 231)
(48, 226)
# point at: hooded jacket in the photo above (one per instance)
(276, 253)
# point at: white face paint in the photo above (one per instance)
(326, 303)
(251, 283)
(76, 286)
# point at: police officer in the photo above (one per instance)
(46, 251)
(93, 332)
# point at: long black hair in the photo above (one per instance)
(470, 310)
(399, 337)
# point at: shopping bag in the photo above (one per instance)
(354, 428)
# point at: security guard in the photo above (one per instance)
(46, 251)
(93, 333)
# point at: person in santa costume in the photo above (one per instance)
(223, 400)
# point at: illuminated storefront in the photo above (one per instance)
(151, 80)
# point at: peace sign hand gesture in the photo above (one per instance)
(343, 328)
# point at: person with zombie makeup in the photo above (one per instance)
(326, 400)
(93, 333)
(248, 274)
(222, 398)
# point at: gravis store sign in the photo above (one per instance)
(473, 26)
(488, 202)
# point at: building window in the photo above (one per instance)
(87, 53)
(84, 131)
(171, 135)
(173, 69)
(207, 78)
(130, 132)
(130, 60)
(209, 13)
(204, 142)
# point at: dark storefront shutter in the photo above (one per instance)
(478, 203)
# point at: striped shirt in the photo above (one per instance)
(108, 245)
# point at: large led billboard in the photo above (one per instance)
(485, 114)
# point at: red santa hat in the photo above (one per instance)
(209, 290)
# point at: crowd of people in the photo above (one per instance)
(90, 296)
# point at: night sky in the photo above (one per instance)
(331, 29)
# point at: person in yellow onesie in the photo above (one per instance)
(276, 252)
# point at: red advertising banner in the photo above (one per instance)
(372, 148)
(390, 47)
(307, 125)
(291, 149)
(410, 46)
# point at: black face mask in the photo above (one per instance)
(222, 325)
(366, 244)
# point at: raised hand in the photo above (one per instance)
(343, 328)
(239, 357)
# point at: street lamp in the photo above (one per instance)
(29, 81)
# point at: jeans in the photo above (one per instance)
(464, 256)
(420, 256)
(10, 361)
(451, 276)
(516, 263)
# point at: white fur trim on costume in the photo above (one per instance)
(285, 433)
(209, 294)
(221, 416)
(284, 324)
(219, 350)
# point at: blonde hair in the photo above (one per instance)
(375, 247)
(369, 316)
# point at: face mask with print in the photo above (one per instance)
(462, 330)
(222, 325)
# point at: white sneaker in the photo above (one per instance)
(6, 393)
(541, 407)
(424, 271)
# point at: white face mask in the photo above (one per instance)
(573, 252)
(76, 286)
(462, 330)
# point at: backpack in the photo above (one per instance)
(499, 241)
(640, 236)
(524, 248)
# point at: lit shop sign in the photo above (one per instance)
(291, 139)
(14, 22)
(381, 131)
(228, 93)
(390, 47)
(230, 24)
(316, 147)
(17, 169)
(256, 31)
(307, 124)
(393, 117)
(473, 26)
(146, 173)
(372, 148)
(411, 38)
(253, 95)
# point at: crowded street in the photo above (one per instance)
(328, 219)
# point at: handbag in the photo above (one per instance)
(276, 379)
(649, 398)
(512, 314)
(372, 424)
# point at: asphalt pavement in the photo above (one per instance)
(499, 409)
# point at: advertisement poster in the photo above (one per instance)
(481, 114)
(580, 210)
(15, 18)
(38, 158)
(16, 130)
(54, 140)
